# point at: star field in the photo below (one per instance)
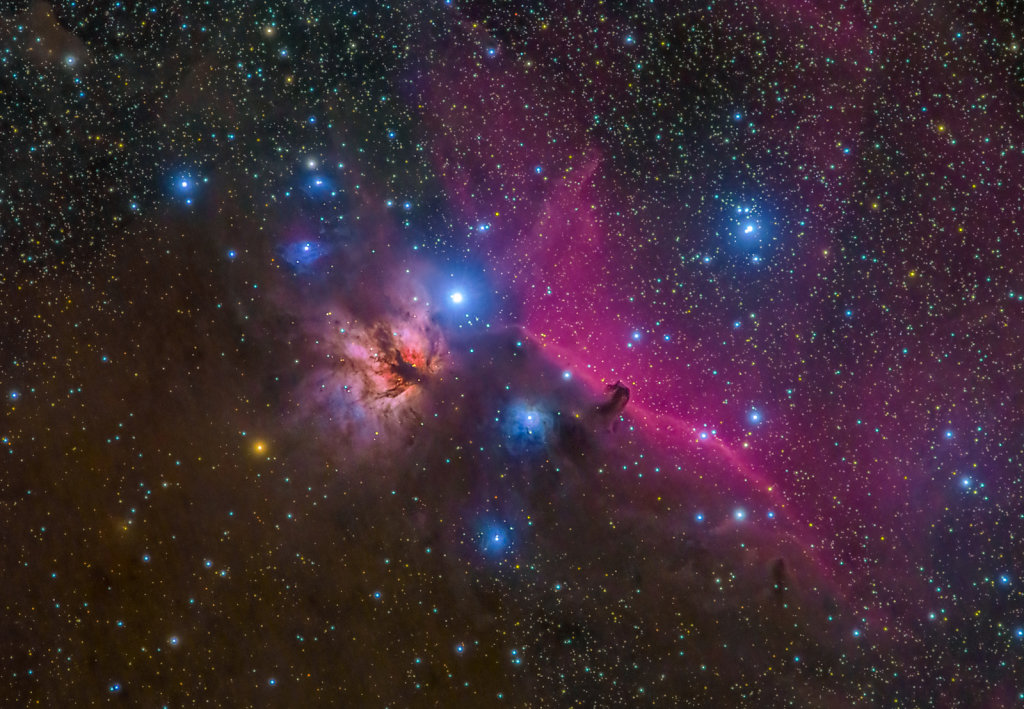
(512, 353)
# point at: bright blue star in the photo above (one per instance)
(185, 186)
(495, 539)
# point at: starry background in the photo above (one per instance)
(317, 321)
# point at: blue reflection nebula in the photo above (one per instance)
(303, 254)
(525, 428)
